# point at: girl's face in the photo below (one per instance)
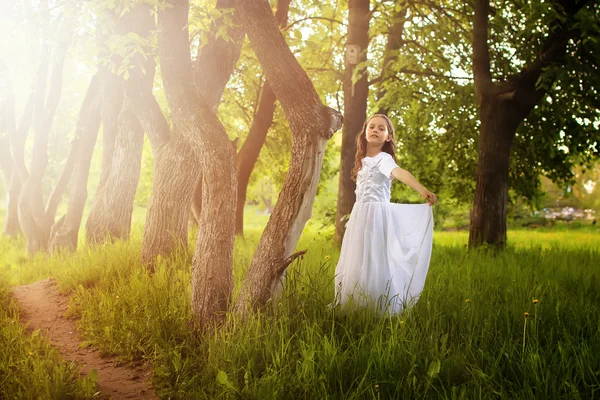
(377, 132)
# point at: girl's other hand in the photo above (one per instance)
(429, 196)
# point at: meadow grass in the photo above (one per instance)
(29, 367)
(467, 337)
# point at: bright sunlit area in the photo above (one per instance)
(297, 199)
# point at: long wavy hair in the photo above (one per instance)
(361, 143)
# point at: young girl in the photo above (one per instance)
(386, 248)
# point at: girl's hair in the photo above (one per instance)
(361, 143)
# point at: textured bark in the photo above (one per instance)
(355, 110)
(499, 121)
(246, 158)
(248, 154)
(212, 69)
(65, 233)
(312, 124)
(111, 213)
(63, 181)
(502, 108)
(195, 131)
(199, 140)
(112, 103)
(32, 216)
(113, 207)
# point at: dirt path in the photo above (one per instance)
(43, 307)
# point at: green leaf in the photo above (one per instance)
(434, 368)
(223, 379)
(215, 13)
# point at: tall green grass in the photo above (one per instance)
(29, 367)
(467, 337)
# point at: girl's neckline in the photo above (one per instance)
(376, 155)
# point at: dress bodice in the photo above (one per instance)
(373, 182)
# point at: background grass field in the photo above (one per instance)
(467, 337)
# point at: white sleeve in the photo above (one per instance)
(386, 165)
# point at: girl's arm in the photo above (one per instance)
(407, 178)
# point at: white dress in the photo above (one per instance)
(387, 247)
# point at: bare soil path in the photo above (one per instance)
(43, 307)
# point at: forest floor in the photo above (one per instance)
(43, 307)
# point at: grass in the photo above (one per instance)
(29, 367)
(467, 337)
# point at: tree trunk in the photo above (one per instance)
(11, 223)
(112, 103)
(175, 171)
(246, 158)
(64, 235)
(212, 70)
(502, 108)
(16, 139)
(312, 124)
(32, 215)
(355, 111)
(110, 217)
(194, 125)
(499, 122)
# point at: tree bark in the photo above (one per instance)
(65, 233)
(111, 213)
(112, 103)
(502, 108)
(312, 124)
(212, 70)
(196, 131)
(499, 122)
(248, 154)
(32, 216)
(355, 110)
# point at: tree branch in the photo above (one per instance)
(481, 52)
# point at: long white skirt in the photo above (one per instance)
(385, 255)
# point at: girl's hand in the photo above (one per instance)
(429, 196)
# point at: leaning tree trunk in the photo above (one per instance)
(355, 110)
(18, 174)
(64, 233)
(246, 158)
(312, 124)
(11, 223)
(248, 154)
(112, 211)
(32, 215)
(172, 194)
(200, 140)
